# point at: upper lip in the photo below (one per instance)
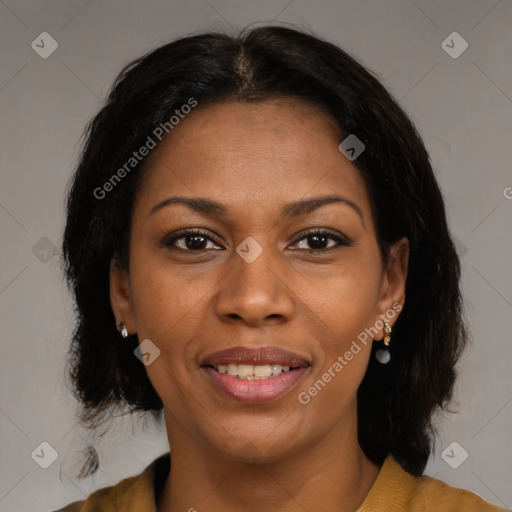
(255, 356)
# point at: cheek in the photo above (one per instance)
(164, 302)
(165, 312)
(346, 308)
(341, 368)
(333, 394)
(345, 301)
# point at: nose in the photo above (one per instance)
(255, 293)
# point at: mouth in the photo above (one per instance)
(255, 375)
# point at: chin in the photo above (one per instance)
(264, 444)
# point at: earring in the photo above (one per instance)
(382, 355)
(122, 330)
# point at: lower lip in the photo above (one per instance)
(255, 391)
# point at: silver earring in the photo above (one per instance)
(122, 330)
(383, 355)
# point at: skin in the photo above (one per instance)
(254, 158)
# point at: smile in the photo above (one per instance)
(254, 375)
(251, 387)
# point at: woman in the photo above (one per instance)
(258, 247)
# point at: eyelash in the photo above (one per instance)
(341, 241)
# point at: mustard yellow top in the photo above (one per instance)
(394, 490)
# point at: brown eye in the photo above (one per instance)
(317, 241)
(192, 240)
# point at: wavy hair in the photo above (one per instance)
(397, 401)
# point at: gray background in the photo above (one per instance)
(462, 108)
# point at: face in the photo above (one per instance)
(281, 285)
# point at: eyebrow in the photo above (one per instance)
(212, 208)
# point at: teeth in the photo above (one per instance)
(262, 370)
(252, 372)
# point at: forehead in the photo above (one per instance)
(252, 154)
(265, 128)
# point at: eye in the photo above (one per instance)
(192, 240)
(318, 238)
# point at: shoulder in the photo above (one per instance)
(431, 491)
(395, 489)
(105, 499)
(133, 493)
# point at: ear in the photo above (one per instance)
(392, 291)
(120, 296)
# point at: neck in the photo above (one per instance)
(331, 474)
